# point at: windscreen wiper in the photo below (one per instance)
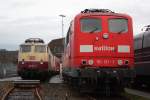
(121, 31)
(94, 29)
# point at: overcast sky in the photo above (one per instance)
(22, 19)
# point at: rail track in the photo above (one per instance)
(23, 90)
(34, 90)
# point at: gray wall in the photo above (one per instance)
(8, 70)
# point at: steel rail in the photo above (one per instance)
(7, 93)
(21, 85)
(37, 93)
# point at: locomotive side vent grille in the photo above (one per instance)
(97, 10)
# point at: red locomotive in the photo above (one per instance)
(99, 52)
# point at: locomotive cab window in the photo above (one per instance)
(118, 25)
(40, 48)
(25, 48)
(90, 25)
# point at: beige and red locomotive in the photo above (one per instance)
(35, 60)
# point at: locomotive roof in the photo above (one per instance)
(34, 40)
(103, 14)
(33, 44)
(100, 12)
(57, 43)
(146, 31)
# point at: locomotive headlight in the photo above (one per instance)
(120, 62)
(105, 35)
(91, 62)
(41, 62)
(22, 61)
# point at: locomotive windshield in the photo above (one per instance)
(40, 48)
(118, 25)
(25, 48)
(91, 25)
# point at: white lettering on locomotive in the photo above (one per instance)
(104, 48)
(105, 61)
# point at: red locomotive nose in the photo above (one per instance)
(99, 50)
